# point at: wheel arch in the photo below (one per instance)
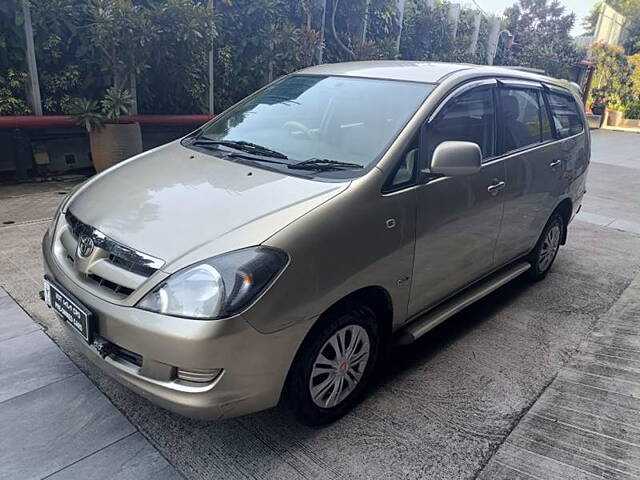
(565, 208)
(375, 297)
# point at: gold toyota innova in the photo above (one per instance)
(276, 251)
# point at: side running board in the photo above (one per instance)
(432, 319)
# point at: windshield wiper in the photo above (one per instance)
(324, 165)
(242, 146)
(255, 157)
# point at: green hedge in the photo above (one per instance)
(85, 46)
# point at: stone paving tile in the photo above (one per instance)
(131, 458)
(29, 362)
(49, 428)
(587, 424)
(50, 412)
(13, 320)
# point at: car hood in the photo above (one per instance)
(182, 206)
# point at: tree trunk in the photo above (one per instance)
(365, 23)
(322, 29)
(335, 33)
(492, 41)
(401, 6)
(133, 85)
(477, 19)
(211, 7)
(454, 18)
(34, 84)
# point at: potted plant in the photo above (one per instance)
(632, 114)
(615, 111)
(112, 139)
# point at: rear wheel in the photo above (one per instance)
(334, 366)
(546, 250)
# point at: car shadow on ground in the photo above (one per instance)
(399, 360)
(462, 323)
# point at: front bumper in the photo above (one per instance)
(254, 365)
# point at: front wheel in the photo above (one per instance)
(546, 250)
(334, 366)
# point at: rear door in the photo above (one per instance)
(534, 165)
(458, 218)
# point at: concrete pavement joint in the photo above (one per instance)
(41, 387)
(609, 222)
(89, 455)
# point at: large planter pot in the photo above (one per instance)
(615, 118)
(114, 143)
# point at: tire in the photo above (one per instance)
(330, 403)
(544, 253)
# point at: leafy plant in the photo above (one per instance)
(632, 110)
(122, 32)
(184, 35)
(87, 115)
(11, 88)
(116, 102)
(93, 115)
(159, 49)
(541, 29)
(613, 80)
(420, 18)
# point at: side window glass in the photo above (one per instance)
(469, 117)
(566, 115)
(406, 172)
(521, 118)
(547, 132)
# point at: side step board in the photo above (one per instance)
(432, 319)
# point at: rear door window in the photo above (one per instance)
(545, 114)
(566, 115)
(521, 118)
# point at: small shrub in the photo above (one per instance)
(11, 88)
(632, 110)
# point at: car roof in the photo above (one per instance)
(424, 72)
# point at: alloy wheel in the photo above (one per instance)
(339, 366)
(549, 248)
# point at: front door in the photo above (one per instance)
(458, 218)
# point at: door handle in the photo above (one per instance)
(494, 188)
(555, 163)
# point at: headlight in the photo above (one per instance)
(62, 209)
(218, 287)
(53, 226)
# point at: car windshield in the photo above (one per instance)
(337, 125)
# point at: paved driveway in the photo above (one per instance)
(440, 408)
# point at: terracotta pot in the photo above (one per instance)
(615, 118)
(114, 143)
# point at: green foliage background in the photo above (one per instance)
(85, 46)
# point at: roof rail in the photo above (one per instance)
(525, 69)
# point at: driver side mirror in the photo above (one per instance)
(456, 159)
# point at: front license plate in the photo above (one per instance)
(70, 309)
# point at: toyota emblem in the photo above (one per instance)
(85, 246)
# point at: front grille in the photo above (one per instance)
(132, 266)
(104, 283)
(117, 262)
